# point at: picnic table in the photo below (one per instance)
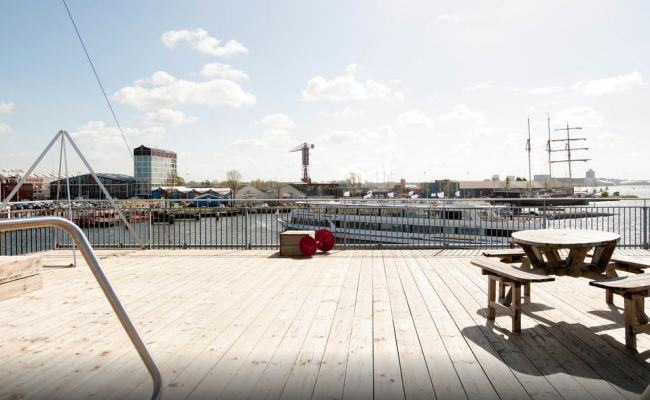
(546, 243)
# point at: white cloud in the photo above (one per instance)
(344, 88)
(100, 135)
(246, 144)
(482, 85)
(414, 118)
(580, 116)
(617, 84)
(5, 108)
(270, 138)
(548, 90)
(462, 112)
(223, 70)
(465, 149)
(353, 68)
(203, 42)
(167, 91)
(277, 121)
(349, 111)
(448, 17)
(346, 112)
(363, 135)
(5, 129)
(168, 117)
(608, 139)
(154, 134)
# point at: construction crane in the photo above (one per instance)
(305, 160)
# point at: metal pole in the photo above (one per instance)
(38, 160)
(530, 182)
(550, 177)
(108, 196)
(67, 182)
(103, 281)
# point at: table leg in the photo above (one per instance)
(534, 256)
(554, 261)
(578, 260)
(602, 255)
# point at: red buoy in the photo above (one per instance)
(325, 240)
(308, 246)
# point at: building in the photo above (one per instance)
(85, 187)
(152, 169)
(182, 192)
(36, 186)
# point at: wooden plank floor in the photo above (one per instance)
(349, 325)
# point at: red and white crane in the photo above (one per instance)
(305, 160)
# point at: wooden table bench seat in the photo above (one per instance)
(509, 256)
(634, 289)
(507, 275)
(20, 274)
(630, 264)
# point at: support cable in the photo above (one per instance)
(103, 91)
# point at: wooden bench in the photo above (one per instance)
(509, 256)
(623, 263)
(630, 264)
(20, 274)
(507, 275)
(634, 289)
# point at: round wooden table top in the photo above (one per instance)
(565, 238)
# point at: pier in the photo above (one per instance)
(349, 324)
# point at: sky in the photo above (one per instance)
(415, 90)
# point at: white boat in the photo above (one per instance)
(444, 224)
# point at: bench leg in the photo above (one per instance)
(492, 289)
(630, 321)
(502, 290)
(516, 306)
(609, 293)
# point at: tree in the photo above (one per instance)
(173, 180)
(276, 189)
(258, 184)
(233, 179)
(353, 184)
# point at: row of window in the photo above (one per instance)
(406, 212)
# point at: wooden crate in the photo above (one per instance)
(290, 242)
(20, 274)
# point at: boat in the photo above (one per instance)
(444, 224)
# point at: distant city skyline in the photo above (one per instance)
(412, 90)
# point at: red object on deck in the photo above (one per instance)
(308, 246)
(325, 240)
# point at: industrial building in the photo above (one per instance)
(182, 192)
(36, 187)
(152, 169)
(85, 187)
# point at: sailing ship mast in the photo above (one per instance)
(568, 149)
(530, 182)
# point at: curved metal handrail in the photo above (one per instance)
(93, 262)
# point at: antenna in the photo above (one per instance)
(567, 148)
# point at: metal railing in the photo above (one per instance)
(79, 238)
(367, 224)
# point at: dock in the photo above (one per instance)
(356, 324)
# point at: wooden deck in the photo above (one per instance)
(348, 325)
